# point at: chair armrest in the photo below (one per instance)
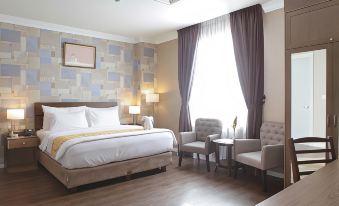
(246, 145)
(187, 137)
(272, 156)
(212, 137)
(208, 142)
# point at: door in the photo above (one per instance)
(309, 100)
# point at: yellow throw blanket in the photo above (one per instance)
(58, 141)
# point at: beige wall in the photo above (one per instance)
(274, 109)
(274, 36)
(168, 108)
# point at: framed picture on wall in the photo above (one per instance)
(78, 55)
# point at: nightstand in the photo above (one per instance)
(20, 153)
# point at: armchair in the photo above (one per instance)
(200, 140)
(264, 153)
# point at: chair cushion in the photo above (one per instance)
(272, 133)
(194, 147)
(250, 158)
(205, 127)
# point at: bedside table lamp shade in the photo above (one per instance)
(152, 98)
(134, 111)
(15, 114)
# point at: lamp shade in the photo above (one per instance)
(152, 98)
(13, 114)
(134, 109)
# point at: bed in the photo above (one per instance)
(109, 155)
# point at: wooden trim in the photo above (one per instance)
(313, 161)
(310, 139)
(312, 151)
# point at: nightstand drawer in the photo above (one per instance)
(22, 143)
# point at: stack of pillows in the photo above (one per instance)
(70, 118)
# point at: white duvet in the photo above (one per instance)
(103, 149)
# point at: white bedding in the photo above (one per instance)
(103, 149)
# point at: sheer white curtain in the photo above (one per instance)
(216, 91)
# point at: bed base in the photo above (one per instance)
(72, 178)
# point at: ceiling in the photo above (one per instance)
(127, 20)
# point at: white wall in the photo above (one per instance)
(274, 36)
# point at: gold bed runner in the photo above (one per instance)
(58, 141)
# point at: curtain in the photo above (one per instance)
(248, 40)
(187, 43)
(216, 91)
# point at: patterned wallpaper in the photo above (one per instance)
(31, 71)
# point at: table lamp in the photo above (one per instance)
(152, 98)
(14, 114)
(134, 111)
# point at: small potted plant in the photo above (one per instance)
(234, 126)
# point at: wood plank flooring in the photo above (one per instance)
(189, 185)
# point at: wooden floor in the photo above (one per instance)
(189, 185)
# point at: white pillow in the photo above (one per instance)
(51, 110)
(63, 121)
(101, 117)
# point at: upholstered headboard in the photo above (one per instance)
(39, 114)
(272, 133)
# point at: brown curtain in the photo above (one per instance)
(248, 41)
(187, 43)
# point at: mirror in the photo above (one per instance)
(308, 109)
(308, 100)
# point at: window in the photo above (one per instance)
(216, 91)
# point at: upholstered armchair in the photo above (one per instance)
(200, 140)
(264, 153)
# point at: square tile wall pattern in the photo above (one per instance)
(31, 71)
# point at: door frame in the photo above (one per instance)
(329, 99)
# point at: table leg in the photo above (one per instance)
(229, 160)
(217, 157)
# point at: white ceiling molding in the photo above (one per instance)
(272, 5)
(165, 37)
(62, 28)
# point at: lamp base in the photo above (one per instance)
(12, 135)
(134, 119)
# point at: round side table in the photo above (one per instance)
(228, 143)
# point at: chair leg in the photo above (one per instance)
(235, 169)
(264, 180)
(180, 158)
(208, 162)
